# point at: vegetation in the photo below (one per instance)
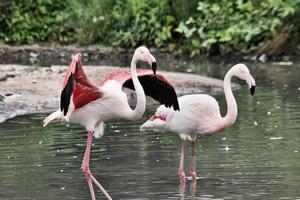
(197, 27)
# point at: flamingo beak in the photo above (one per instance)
(251, 83)
(252, 90)
(76, 61)
(151, 61)
(154, 67)
(77, 57)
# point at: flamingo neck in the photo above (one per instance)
(140, 94)
(232, 110)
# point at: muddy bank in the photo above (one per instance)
(27, 89)
(55, 54)
(61, 55)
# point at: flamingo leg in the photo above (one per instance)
(85, 167)
(181, 168)
(193, 163)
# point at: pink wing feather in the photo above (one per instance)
(77, 84)
(122, 76)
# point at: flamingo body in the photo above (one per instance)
(199, 114)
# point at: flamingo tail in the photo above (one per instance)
(55, 115)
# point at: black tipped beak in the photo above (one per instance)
(252, 90)
(154, 67)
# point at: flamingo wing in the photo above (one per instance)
(77, 84)
(155, 86)
(121, 76)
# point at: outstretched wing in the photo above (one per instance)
(123, 75)
(157, 87)
(77, 85)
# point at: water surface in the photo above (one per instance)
(258, 158)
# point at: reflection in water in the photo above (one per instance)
(257, 158)
(193, 188)
(182, 189)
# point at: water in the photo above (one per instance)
(258, 158)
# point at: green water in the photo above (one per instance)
(258, 158)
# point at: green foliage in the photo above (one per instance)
(29, 21)
(90, 20)
(122, 23)
(144, 22)
(224, 26)
(194, 26)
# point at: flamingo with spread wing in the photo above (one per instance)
(90, 105)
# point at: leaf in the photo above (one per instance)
(196, 43)
(189, 32)
(215, 8)
(208, 42)
(181, 28)
(169, 19)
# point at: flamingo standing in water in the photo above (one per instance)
(90, 105)
(199, 114)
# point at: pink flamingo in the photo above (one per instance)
(89, 105)
(199, 114)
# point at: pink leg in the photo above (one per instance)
(181, 168)
(193, 163)
(85, 167)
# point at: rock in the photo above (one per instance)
(3, 77)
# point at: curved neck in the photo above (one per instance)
(232, 109)
(140, 95)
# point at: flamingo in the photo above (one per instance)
(199, 114)
(90, 105)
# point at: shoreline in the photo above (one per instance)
(55, 54)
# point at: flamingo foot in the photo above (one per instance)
(87, 173)
(90, 178)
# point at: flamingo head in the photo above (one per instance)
(77, 57)
(242, 72)
(76, 61)
(143, 54)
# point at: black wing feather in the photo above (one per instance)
(66, 94)
(159, 90)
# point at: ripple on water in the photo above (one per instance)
(257, 158)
